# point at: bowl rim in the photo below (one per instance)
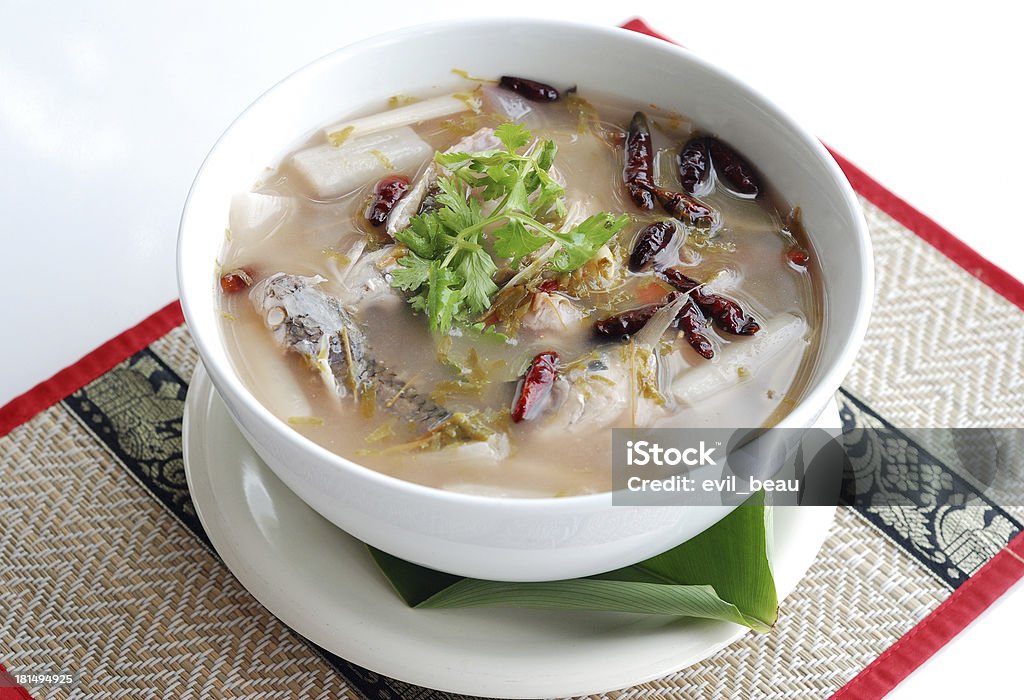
(804, 413)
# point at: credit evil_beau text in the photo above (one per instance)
(643, 453)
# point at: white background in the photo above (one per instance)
(107, 110)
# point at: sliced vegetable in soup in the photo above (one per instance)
(469, 291)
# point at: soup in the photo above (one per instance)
(469, 291)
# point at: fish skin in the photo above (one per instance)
(308, 321)
(419, 198)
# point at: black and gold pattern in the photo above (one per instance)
(918, 501)
(136, 410)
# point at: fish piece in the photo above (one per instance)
(589, 397)
(368, 277)
(409, 205)
(332, 171)
(551, 312)
(600, 274)
(621, 383)
(311, 323)
(418, 195)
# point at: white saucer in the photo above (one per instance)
(323, 584)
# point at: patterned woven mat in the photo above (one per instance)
(107, 571)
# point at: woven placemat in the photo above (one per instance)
(107, 572)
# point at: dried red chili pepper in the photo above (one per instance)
(386, 194)
(651, 240)
(692, 323)
(623, 325)
(695, 166)
(676, 278)
(530, 89)
(690, 320)
(548, 285)
(734, 169)
(535, 386)
(638, 170)
(798, 257)
(727, 314)
(237, 280)
(685, 208)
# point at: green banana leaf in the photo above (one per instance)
(721, 574)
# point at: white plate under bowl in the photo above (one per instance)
(322, 583)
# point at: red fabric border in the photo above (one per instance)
(11, 690)
(933, 632)
(70, 379)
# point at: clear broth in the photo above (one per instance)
(310, 236)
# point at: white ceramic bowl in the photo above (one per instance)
(484, 537)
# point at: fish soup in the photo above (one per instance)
(469, 291)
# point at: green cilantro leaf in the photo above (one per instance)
(514, 136)
(546, 155)
(514, 241)
(477, 268)
(517, 198)
(444, 297)
(583, 242)
(449, 268)
(412, 272)
(457, 211)
(424, 236)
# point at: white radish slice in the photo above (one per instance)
(332, 171)
(408, 115)
(512, 107)
(505, 103)
(743, 357)
(253, 215)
